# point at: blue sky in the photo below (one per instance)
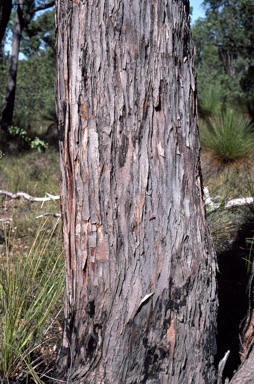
(198, 10)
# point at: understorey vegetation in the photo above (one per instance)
(32, 268)
(224, 68)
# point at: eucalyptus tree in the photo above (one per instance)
(140, 302)
(25, 10)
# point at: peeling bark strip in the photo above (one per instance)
(140, 272)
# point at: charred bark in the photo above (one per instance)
(140, 304)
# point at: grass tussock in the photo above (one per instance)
(31, 269)
(31, 287)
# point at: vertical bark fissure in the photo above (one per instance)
(142, 283)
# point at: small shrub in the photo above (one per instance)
(38, 144)
(24, 141)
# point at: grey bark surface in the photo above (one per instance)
(140, 304)
(245, 374)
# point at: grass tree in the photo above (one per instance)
(229, 136)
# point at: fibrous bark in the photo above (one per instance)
(245, 374)
(140, 304)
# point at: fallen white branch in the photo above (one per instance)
(5, 219)
(238, 202)
(57, 215)
(23, 195)
(228, 204)
(208, 199)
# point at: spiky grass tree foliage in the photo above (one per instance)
(229, 137)
(210, 102)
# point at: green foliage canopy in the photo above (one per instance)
(225, 47)
(36, 74)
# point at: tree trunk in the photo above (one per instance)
(7, 114)
(5, 13)
(24, 14)
(140, 304)
(245, 374)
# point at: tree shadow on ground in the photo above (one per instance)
(233, 280)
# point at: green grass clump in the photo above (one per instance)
(31, 287)
(229, 137)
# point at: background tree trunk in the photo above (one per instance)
(5, 13)
(140, 303)
(7, 113)
(24, 14)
